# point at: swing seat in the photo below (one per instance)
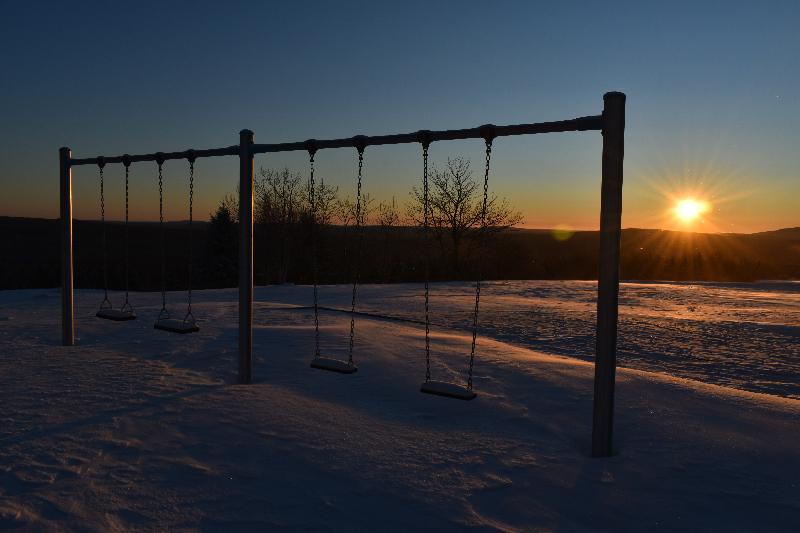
(176, 325)
(116, 315)
(449, 390)
(333, 365)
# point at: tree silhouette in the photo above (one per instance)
(455, 203)
(280, 205)
(222, 244)
(387, 219)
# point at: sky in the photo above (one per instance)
(712, 108)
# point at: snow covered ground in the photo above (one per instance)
(136, 429)
(745, 336)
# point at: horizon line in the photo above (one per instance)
(517, 228)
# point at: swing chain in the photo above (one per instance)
(424, 139)
(360, 146)
(105, 304)
(488, 135)
(126, 161)
(191, 157)
(163, 313)
(312, 150)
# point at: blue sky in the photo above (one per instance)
(712, 88)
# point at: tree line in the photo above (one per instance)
(390, 235)
(393, 246)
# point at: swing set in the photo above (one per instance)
(611, 123)
(126, 312)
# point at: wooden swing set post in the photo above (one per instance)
(605, 362)
(67, 283)
(245, 256)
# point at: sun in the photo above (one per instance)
(689, 209)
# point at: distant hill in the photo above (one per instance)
(30, 255)
(791, 233)
(659, 254)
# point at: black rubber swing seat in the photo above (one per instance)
(449, 390)
(176, 325)
(116, 315)
(334, 365)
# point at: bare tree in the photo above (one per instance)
(325, 202)
(388, 214)
(279, 196)
(387, 218)
(280, 203)
(455, 203)
(367, 208)
(346, 209)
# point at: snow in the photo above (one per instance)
(137, 429)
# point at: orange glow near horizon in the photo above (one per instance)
(698, 196)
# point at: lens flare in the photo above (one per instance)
(689, 209)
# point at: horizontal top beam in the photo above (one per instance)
(186, 154)
(594, 122)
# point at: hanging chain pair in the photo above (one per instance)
(126, 306)
(189, 316)
(481, 237)
(357, 255)
(314, 267)
(163, 313)
(426, 224)
(105, 304)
